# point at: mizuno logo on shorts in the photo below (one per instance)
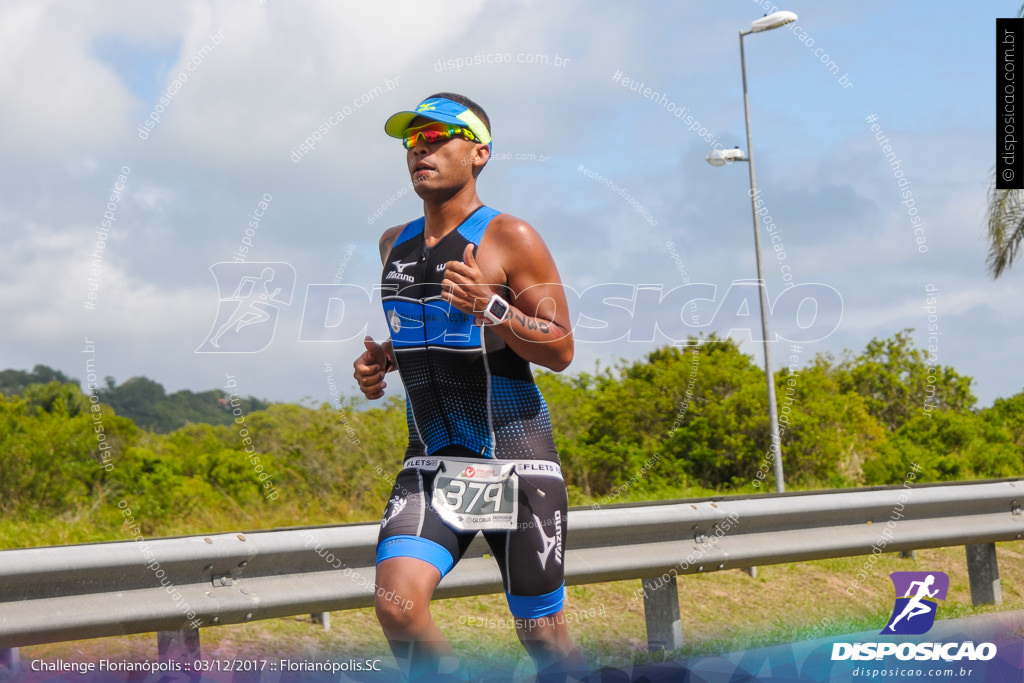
(553, 542)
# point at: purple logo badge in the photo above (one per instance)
(916, 596)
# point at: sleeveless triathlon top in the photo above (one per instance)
(467, 391)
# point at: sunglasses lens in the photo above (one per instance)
(435, 135)
(433, 132)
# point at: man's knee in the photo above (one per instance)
(400, 605)
(543, 630)
(397, 614)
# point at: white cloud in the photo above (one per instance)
(55, 99)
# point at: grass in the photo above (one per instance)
(721, 612)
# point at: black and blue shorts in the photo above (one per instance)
(530, 557)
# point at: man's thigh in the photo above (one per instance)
(410, 528)
(531, 558)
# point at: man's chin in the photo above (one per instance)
(425, 189)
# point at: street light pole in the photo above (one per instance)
(773, 411)
(723, 157)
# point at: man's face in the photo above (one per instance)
(445, 166)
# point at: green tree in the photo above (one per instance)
(719, 433)
(1008, 413)
(570, 401)
(948, 446)
(47, 396)
(138, 397)
(51, 459)
(896, 379)
(698, 415)
(14, 382)
(827, 433)
(151, 407)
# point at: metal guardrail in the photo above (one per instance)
(62, 593)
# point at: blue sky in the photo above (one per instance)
(143, 68)
(77, 82)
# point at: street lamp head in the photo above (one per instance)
(773, 20)
(721, 157)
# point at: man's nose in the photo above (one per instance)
(420, 143)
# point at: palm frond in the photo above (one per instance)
(1005, 228)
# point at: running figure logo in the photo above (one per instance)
(914, 612)
(247, 317)
(395, 506)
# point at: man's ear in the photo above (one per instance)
(481, 155)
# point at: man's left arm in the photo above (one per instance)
(538, 327)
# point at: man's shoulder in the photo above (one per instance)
(388, 239)
(392, 233)
(515, 242)
(509, 227)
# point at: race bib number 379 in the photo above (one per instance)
(482, 497)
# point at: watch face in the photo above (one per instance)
(499, 309)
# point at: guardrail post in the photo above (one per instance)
(178, 645)
(661, 612)
(322, 618)
(983, 571)
(9, 658)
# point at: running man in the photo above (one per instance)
(472, 297)
(916, 606)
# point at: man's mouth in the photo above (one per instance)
(422, 170)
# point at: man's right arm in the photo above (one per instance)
(387, 240)
(376, 361)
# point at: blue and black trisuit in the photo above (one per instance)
(471, 399)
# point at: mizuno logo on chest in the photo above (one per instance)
(400, 267)
(399, 276)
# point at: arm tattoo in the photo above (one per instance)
(532, 323)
